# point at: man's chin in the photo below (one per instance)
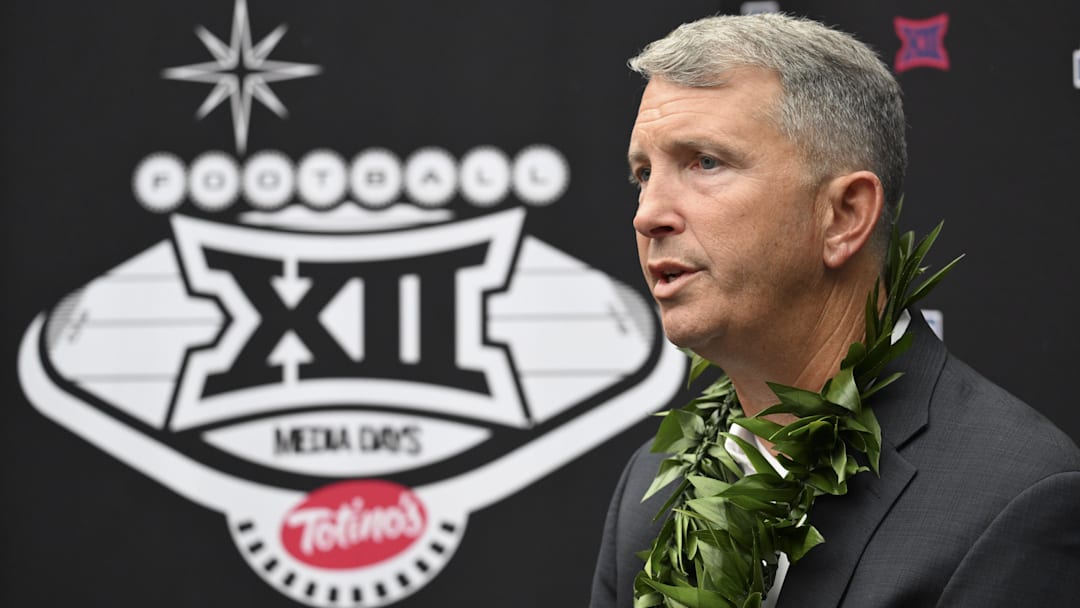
(690, 335)
(683, 338)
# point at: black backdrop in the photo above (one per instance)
(993, 142)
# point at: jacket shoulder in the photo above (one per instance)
(981, 419)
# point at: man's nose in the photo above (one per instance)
(657, 213)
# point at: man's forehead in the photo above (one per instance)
(672, 116)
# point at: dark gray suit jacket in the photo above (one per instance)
(978, 504)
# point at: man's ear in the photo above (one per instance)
(853, 204)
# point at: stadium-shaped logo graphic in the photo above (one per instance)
(349, 370)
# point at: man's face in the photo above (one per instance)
(728, 228)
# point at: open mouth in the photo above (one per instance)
(668, 277)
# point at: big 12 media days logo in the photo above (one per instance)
(348, 369)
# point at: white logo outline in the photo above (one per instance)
(503, 405)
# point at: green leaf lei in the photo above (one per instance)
(720, 544)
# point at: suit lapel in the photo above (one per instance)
(848, 522)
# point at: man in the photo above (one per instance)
(769, 152)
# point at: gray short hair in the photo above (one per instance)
(840, 104)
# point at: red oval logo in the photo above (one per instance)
(353, 523)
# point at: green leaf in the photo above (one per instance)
(928, 286)
(888, 353)
(843, 391)
(792, 439)
(692, 597)
(926, 243)
(707, 486)
(725, 568)
(873, 328)
(682, 525)
(796, 396)
(757, 583)
(760, 464)
(667, 434)
(839, 462)
(849, 423)
(825, 481)
(720, 454)
(649, 600)
(897, 275)
(741, 525)
(877, 386)
(913, 266)
(678, 431)
(720, 388)
(907, 242)
(789, 465)
(654, 563)
(764, 487)
(796, 541)
(856, 439)
(759, 426)
(856, 353)
(670, 470)
(698, 365)
(749, 503)
(874, 359)
(795, 427)
(800, 402)
(873, 447)
(817, 434)
(712, 508)
(644, 595)
(675, 497)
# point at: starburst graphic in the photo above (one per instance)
(923, 43)
(240, 72)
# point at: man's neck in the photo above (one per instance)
(808, 355)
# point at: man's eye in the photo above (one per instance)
(708, 162)
(643, 174)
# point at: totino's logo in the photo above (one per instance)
(353, 524)
(345, 353)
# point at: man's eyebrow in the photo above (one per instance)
(724, 152)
